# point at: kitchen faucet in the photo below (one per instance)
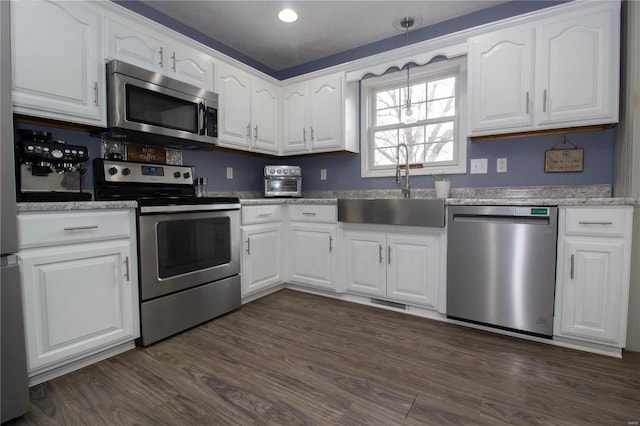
(406, 189)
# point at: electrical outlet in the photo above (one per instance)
(229, 172)
(478, 166)
(323, 174)
(501, 165)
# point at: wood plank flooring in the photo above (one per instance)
(292, 358)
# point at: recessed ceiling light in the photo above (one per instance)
(287, 15)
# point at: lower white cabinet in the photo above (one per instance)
(592, 282)
(404, 266)
(312, 245)
(80, 288)
(261, 266)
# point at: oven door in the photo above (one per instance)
(187, 249)
(282, 187)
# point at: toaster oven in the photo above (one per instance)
(282, 181)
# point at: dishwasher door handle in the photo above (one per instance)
(532, 220)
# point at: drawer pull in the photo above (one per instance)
(80, 228)
(308, 214)
(572, 263)
(590, 222)
(265, 214)
(126, 262)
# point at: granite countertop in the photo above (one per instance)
(75, 205)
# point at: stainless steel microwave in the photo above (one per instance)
(150, 107)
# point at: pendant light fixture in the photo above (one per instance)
(407, 23)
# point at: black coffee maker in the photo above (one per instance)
(49, 170)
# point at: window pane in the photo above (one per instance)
(387, 116)
(441, 132)
(439, 152)
(412, 135)
(442, 108)
(384, 157)
(385, 139)
(445, 88)
(387, 99)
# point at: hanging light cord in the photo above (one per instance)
(406, 23)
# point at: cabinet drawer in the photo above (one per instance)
(595, 221)
(313, 213)
(43, 229)
(261, 214)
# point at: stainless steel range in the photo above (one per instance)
(188, 246)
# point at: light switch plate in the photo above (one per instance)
(478, 166)
(229, 172)
(501, 165)
(323, 174)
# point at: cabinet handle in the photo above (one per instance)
(304, 135)
(526, 102)
(308, 213)
(161, 52)
(126, 262)
(380, 253)
(249, 130)
(311, 133)
(544, 101)
(589, 222)
(389, 255)
(95, 93)
(255, 133)
(248, 246)
(173, 56)
(571, 269)
(265, 214)
(330, 244)
(80, 228)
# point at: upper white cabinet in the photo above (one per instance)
(153, 52)
(315, 116)
(592, 282)
(559, 72)
(57, 61)
(248, 110)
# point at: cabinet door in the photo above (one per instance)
(313, 255)
(591, 286)
(126, 44)
(57, 61)
(294, 110)
(325, 110)
(264, 115)
(501, 80)
(261, 266)
(189, 65)
(365, 259)
(78, 298)
(578, 69)
(234, 106)
(411, 269)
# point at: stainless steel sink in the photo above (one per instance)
(393, 211)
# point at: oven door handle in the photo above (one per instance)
(189, 208)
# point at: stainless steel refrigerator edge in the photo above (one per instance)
(501, 266)
(13, 371)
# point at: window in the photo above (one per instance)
(430, 130)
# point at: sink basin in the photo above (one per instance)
(393, 211)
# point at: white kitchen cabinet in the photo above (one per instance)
(592, 282)
(401, 266)
(314, 116)
(559, 72)
(152, 51)
(261, 266)
(248, 110)
(312, 245)
(80, 286)
(58, 71)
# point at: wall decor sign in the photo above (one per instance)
(146, 154)
(564, 160)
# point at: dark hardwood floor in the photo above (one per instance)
(295, 358)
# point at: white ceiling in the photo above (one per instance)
(324, 28)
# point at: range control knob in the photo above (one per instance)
(56, 153)
(187, 175)
(176, 175)
(112, 171)
(126, 171)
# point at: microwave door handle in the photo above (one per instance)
(202, 118)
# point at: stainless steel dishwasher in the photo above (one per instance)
(501, 266)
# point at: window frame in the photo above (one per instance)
(432, 71)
